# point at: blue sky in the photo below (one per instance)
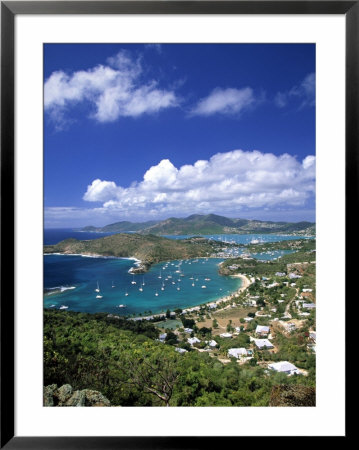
(142, 132)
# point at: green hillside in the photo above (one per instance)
(121, 227)
(124, 361)
(149, 249)
(208, 224)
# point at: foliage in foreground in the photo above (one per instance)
(123, 360)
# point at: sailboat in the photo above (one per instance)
(156, 294)
(113, 285)
(178, 288)
(126, 294)
(163, 287)
(160, 275)
(98, 290)
(133, 281)
(140, 289)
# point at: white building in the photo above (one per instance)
(193, 340)
(180, 350)
(284, 367)
(308, 305)
(263, 343)
(212, 343)
(237, 352)
(188, 330)
(261, 329)
(226, 335)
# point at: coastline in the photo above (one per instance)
(138, 267)
(244, 285)
(95, 255)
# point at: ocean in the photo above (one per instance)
(73, 280)
(70, 280)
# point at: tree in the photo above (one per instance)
(204, 330)
(215, 323)
(168, 314)
(152, 370)
(188, 323)
(171, 338)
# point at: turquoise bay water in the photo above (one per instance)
(73, 279)
(82, 274)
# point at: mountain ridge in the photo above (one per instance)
(206, 224)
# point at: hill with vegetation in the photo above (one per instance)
(123, 361)
(207, 224)
(121, 227)
(148, 249)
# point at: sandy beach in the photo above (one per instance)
(244, 285)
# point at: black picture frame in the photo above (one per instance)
(9, 9)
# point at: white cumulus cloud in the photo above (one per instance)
(228, 101)
(101, 191)
(227, 183)
(112, 91)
